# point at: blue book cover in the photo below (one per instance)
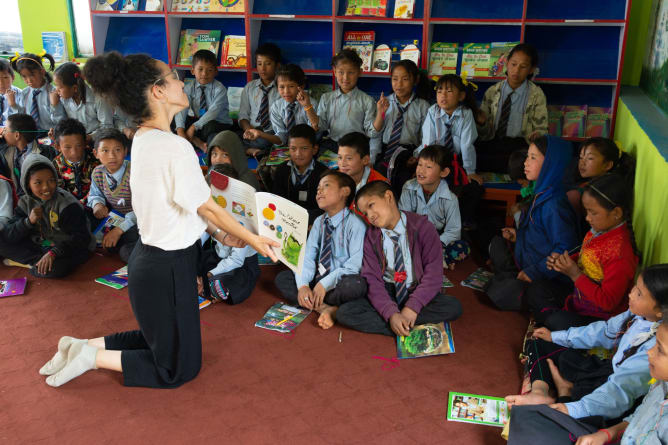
(117, 279)
(55, 44)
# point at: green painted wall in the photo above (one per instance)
(636, 41)
(43, 15)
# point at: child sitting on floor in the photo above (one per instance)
(49, 232)
(516, 173)
(585, 384)
(330, 275)
(428, 194)
(75, 163)
(227, 148)
(295, 105)
(403, 267)
(297, 179)
(110, 190)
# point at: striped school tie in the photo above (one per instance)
(502, 128)
(34, 110)
(395, 136)
(113, 183)
(290, 118)
(202, 101)
(263, 115)
(399, 266)
(326, 253)
(449, 143)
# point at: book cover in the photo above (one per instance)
(278, 156)
(13, 287)
(107, 5)
(55, 44)
(574, 121)
(555, 120)
(117, 279)
(495, 178)
(282, 318)
(426, 340)
(443, 58)
(498, 57)
(598, 122)
(398, 45)
(474, 408)
(192, 40)
(114, 219)
(410, 52)
(130, 5)
(153, 5)
(362, 43)
(329, 158)
(231, 6)
(475, 59)
(403, 9)
(234, 52)
(446, 282)
(478, 279)
(202, 302)
(374, 8)
(190, 5)
(234, 100)
(265, 214)
(381, 59)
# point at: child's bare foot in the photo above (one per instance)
(537, 396)
(564, 387)
(327, 316)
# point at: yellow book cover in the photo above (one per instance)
(234, 52)
(227, 6)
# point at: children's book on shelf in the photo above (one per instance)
(574, 121)
(478, 279)
(153, 5)
(192, 40)
(114, 219)
(117, 279)
(234, 100)
(190, 6)
(265, 214)
(316, 90)
(107, 5)
(229, 6)
(13, 287)
(403, 9)
(555, 120)
(55, 44)
(410, 52)
(381, 59)
(282, 317)
(398, 45)
(426, 340)
(234, 52)
(474, 408)
(498, 57)
(443, 58)
(374, 8)
(362, 43)
(495, 178)
(598, 122)
(475, 59)
(130, 5)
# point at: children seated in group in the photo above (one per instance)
(124, 124)
(49, 232)
(606, 264)
(516, 173)
(75, 163)
(347, 109)
(8, 200)
(297, 180)
(330, 275)
(512, 112)
(257, 98)
(34, 98)
(110, 190)
(547, 225)
(21, 140)
(428, 194)
(6, 85)
(209, 109)
(295, 105)
(403, 267)
(227, 148)
(584, 385)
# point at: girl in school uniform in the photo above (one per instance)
(6, 81)
(173, 206)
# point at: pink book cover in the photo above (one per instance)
(598, 122)
(574, 121)
(12, 288)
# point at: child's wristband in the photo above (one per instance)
(310, 107)
(607, 433)
(51, 253)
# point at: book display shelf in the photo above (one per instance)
(580, 43)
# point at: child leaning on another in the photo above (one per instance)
(331, 273)
(227, 148)
(403, 267)
(75, 163)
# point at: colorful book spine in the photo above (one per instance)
(598, 122)
(443, 58)
(574, 121)
(475, 59)
(362, 43)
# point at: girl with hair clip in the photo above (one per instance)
(173, 207)
(601, 274)
(34, 99)
(79, 101)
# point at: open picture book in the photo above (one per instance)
(426, 340)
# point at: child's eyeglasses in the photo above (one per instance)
(163, 77)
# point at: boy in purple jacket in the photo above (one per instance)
(403, 266)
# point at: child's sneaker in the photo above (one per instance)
(203, 302)
(218, 291)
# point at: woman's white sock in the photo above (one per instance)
(80, 358)
(59, 360)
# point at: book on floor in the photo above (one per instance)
(598, 122)
(114, 219)
(426, 340)
(234, 52)
(282, 317)
(498, 57)
(474, 408)
(265, 214)
(117, 279)
(193, 40)
(475, 59)
(446, 281)
(374, 8)
(13, 287)
(574, 121)
(54, 43)
(203, 302)
(362, 43)
(443, 58)
(403, 9)
(381, 59)
(478, 279)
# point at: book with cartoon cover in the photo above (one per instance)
(362, 43)
(193, 40)
(375, 8)
(575, 117)
(117, 279)
(403, 9)
(598, 122)
(282, 317)
(474, 408)
(227, 6)
(265, 214)
(478, 279)
(234, 52)
(498, 57)
(426, 340)
(13, 287)
(555, 120)
(114, 219)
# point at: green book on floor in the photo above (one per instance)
(426, 340)
(474, 408)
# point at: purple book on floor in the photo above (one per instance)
(11, 288)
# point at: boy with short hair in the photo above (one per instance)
(208, 103)
(74, 164)
(297, 179)
(403, 267)
(257, 98)
(330, 275)
(110, 190)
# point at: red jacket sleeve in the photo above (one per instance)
(618, 274)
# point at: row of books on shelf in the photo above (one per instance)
(379, 60)
(233, 52)
(403, 9)
(578, 121)
(478, 59)
(128, 5)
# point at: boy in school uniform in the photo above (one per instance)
(257, 98)
(403, 267)
(110, 190)
(208, 103)
(75, 163)
(330, 276)
(297, 179)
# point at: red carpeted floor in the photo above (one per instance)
(255, 386)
